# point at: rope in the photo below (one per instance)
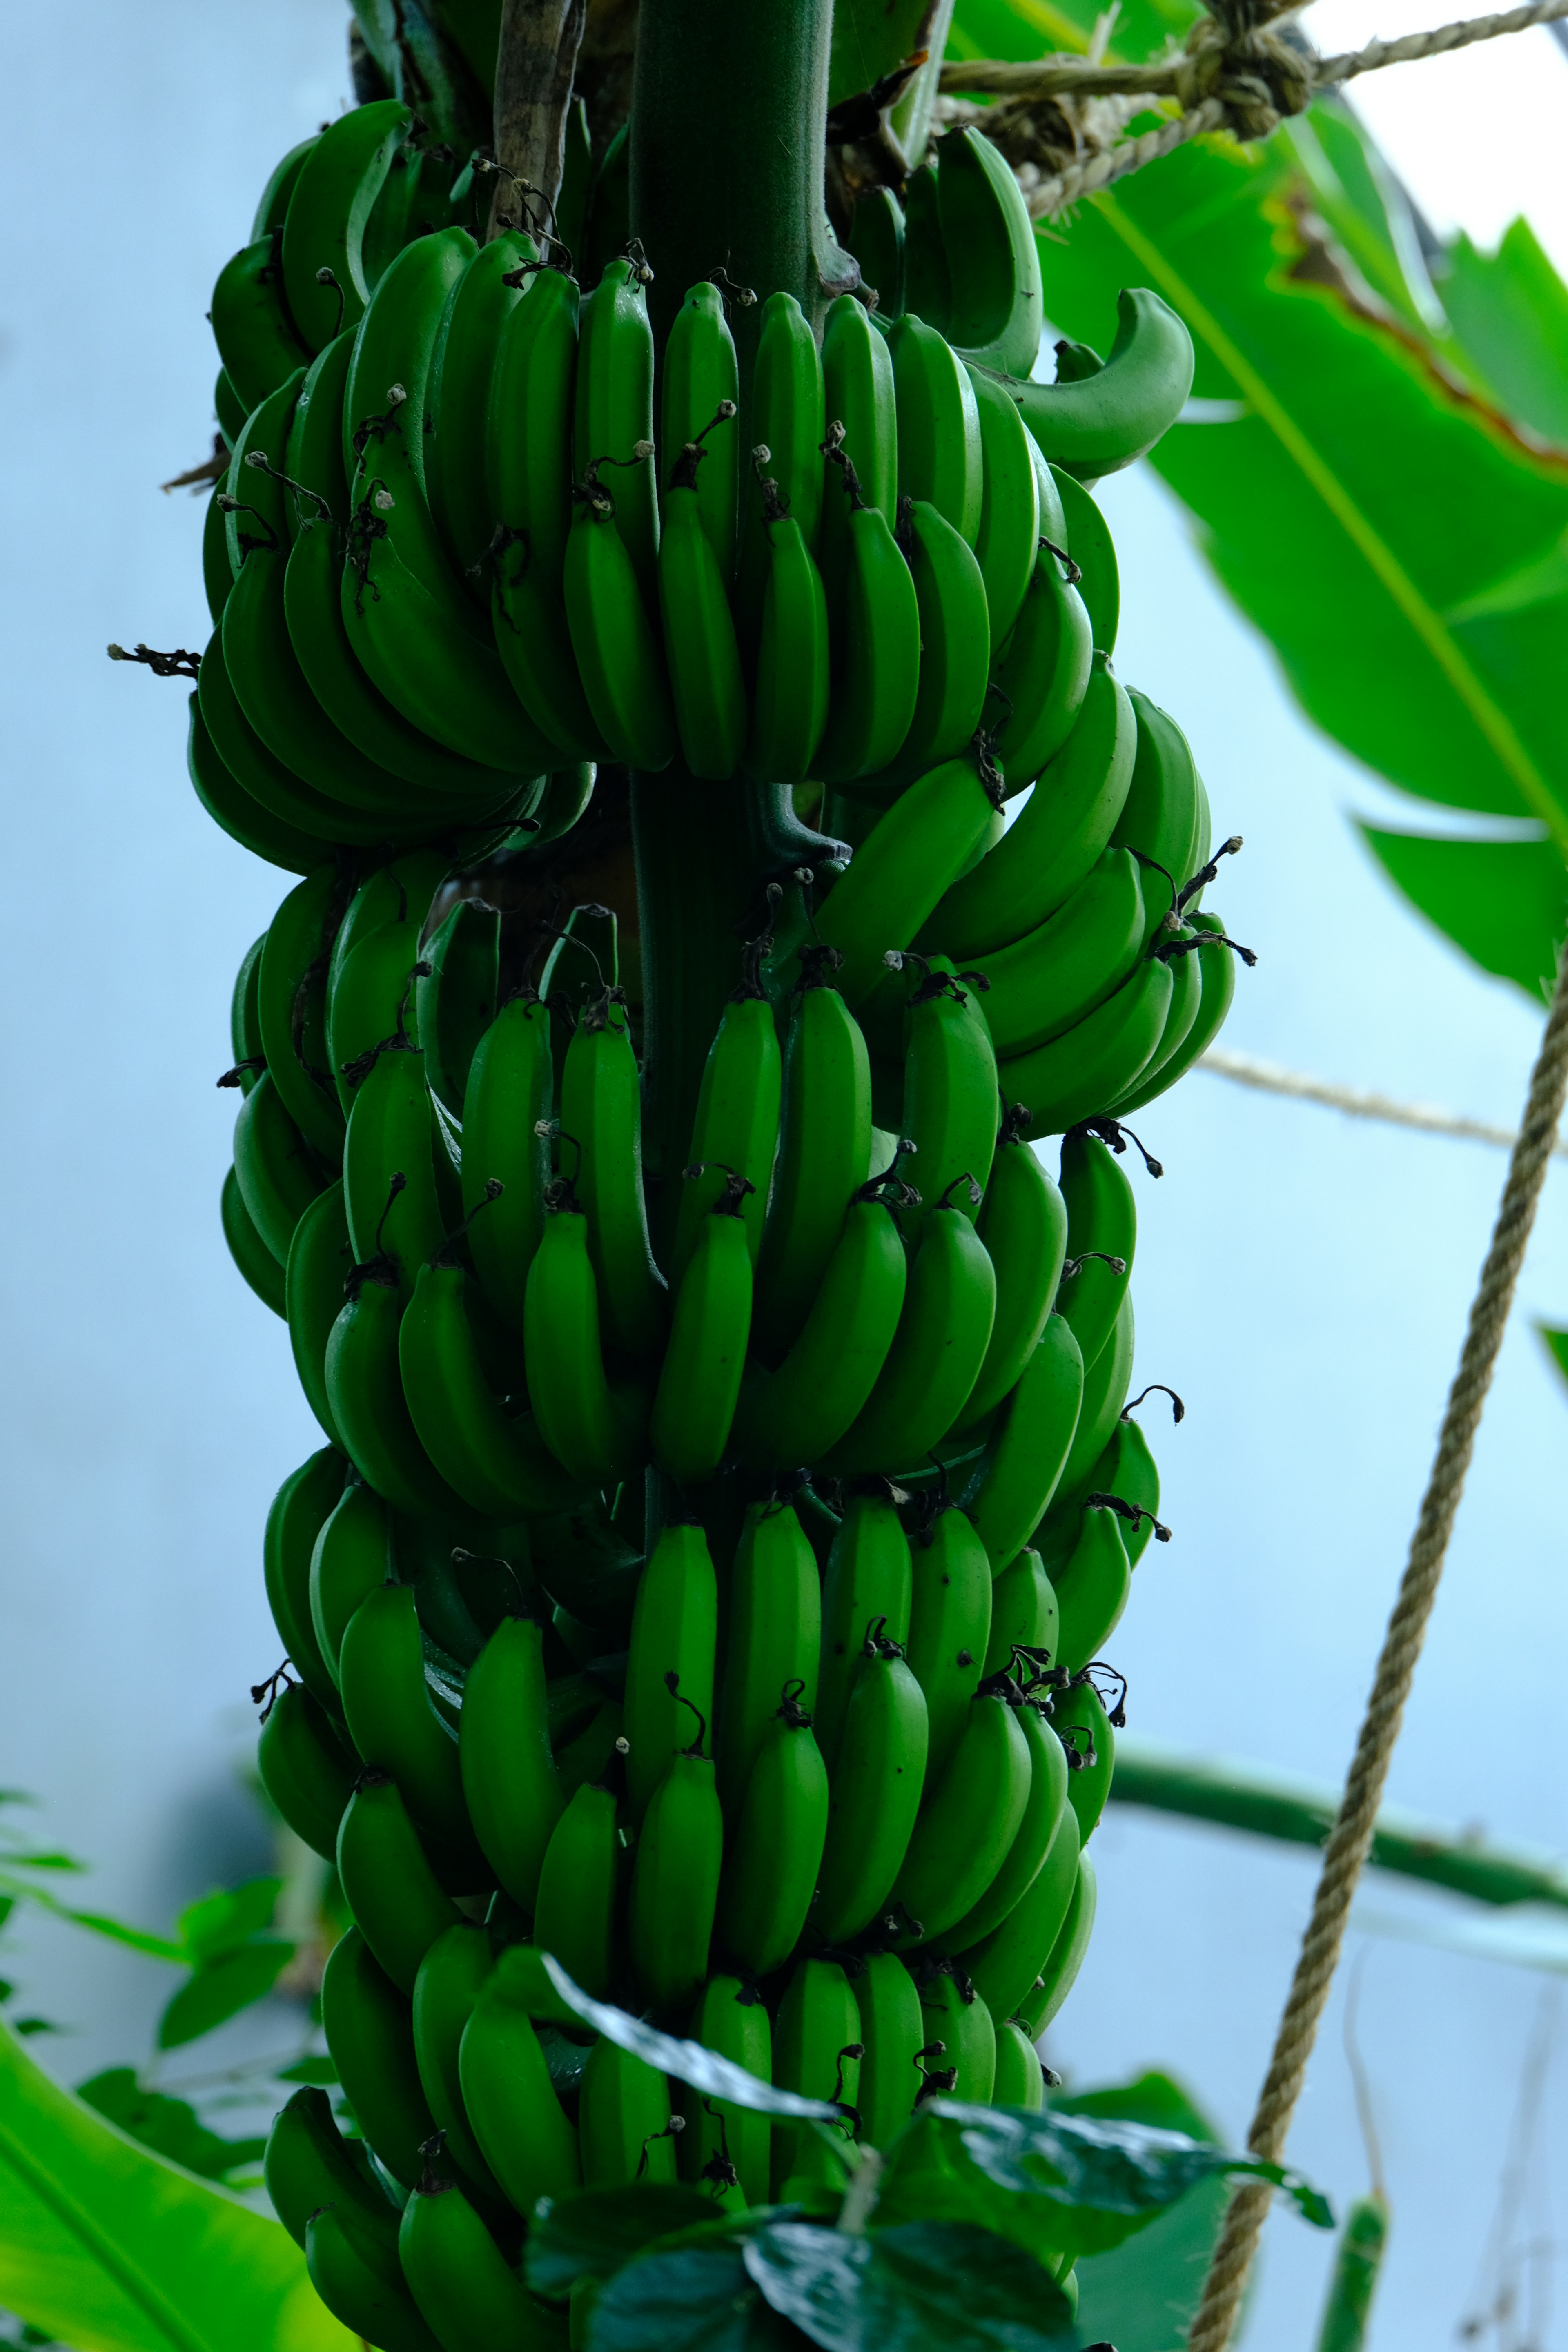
(1353, 1833)
(1273, 1079)
(1236, 74)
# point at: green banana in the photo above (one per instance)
(1063, 829)
(277, 1173)
(1038, 1827)
(1087, 538)
(1105, 1385)
(304, 1767)
(308, 2163)
(1007, 545)
(858, 393)
(786, 416)
(954, 649)
(1043, 675)
(1107, 420)
(475, 320)
(291, 1004)
(257, 339)
(1162, 1069)
(1059, 1972)
(613, 414)
(898, 877)
(373, 978)
(957, 2020)
(607, 613)
(364, 1389)
(313, 456)
(495, 1459)
(928, 279)
(387, 1704)
(506, 1109)
(789, 704)
(1024, 1226)
(622, 2120)
(514, 2111)
(869, 1584)
(1091, 1588)
(320, 1257)
(528, 424)
(1126, 1472)
(774, 1861)
(1101, 1236)
(392, 1134)
(273, 205)
(721, 2138)
(593, 1429)
(350, 1559)
(773, 1641)
(793, 1415)
(253, 492)
(1004, 1964)
(1086, 1731)
(509, 1775)
(1159, 819)
(386, 397)
(328, 207)
(939, 426)
(996, 311)
(876, 241)
(1020, 2082)
(675, 1631)
(1046, 982)
(1072, 1078)
(361, 2282)
(823, 1156)
(370, 2032)
(970, 1817)
(448, 1984)
(457, 999)
(701, 652)
(245, 1018)
(674, 1891)
(250, 1253)
(948, 1114)
(574, 1912)
(699, 1381)
(390, 1888)
(892, 2029)
(944, 1330)
(1024, 1616)
(229, 410)
(301, 1504)
(736, 1129)
(701, 379)
(261, 774)
(601, 1112)
(816, 2051)
(216, 577)
(875, 1784)
(462, 2282)
(874, 637)
(237, 812)
(950, 1625)
(1025, 1455)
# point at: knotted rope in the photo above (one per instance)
(1351, 1836)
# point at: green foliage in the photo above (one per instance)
(168, 2126)
(1508, 311)
(1354, 2280)
(1505, 903)
(233, 1959)
(1141, 2296)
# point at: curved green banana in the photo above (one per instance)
(721, 2138)
(970, 1816)
(253, 490)
(387, 1704)
(1091, 1588)
(299, 1508)
(1085, 1731)
(329, 204)
(1006, 1965)
(772, 1642)
(250, 1253)
(1162, 1070)
(364, 1389)
(899, 876)
(675, 1634)
(701, 373)
(1159, 819)
(1096, 1063)
(928, 280)
(387, 394)
(1025, 1858)
(601, 1112)
(868, 1584)
(1024, 1615)
(256, 337)
(1086, 536)
(516, 2118)
(877, 240)
(390, 1888)
(262, 775)
(509, 1775)
(392, 1134)
(591, 1429)
(994, 261)
(462, 2282)
(461, 371)
(506, 1103)
(528, 425)
(1025, 1455)
(939, 426)
(308, 2163)
(1042, 677)
(277, 1173)
(372, 979)
(495, 1459)
(954, 650)
(1126, 1471)
(574, 1912)
(893, 2030)
(319, 1259)
(313, 457)
(877, 1775)
(858, 393)
(1060, 1973)
(1105, 1385)
(816, 2051)
(674, 1889)
(450, 1976)
(456, 1000)
(350, 1559)
(1101, 1236)
(617, 658)
(786, 416)
(1020, 2080)
(790, 703)
(237, 812)
(1107, 420)
(291, 1003)
(305, 1768)
(794, 1414)
(874, 643)
(699, 1379)
(361, 2282)
(613, 414)
(1007, 545)
(1024, 1226)
(1045, 983)
(950, 1626)
(774, 1861)
(944, 1330)
(736, 1129)
(824, 1158)
(370, 2032)
(701, 655)
(957, 2020)
(623, 2119)
(948, 1114)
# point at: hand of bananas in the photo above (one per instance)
(706, 1590)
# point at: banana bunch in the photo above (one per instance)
(704, 1579)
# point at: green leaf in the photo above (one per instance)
(1557, 1346)
(1505, 903)
(592, 2232)
(219, 1991)
(695, 2301)
(320, 2068)
(97, 1922)
(689, 2061)
(115, 2251)
(907, 2289)
(1141, 2296)
(169, 2126)
(222, 1921)
(28, 2026)
(1508, 310)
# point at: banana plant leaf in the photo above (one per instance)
(1362, 491)
(112, 2250)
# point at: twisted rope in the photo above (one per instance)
(1236, 74)
(1360, 1102)
(1353, 1833)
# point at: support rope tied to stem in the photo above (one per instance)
(1351, 1836)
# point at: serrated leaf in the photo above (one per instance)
(908, 2289)
(1505, 903)
(590, 2232)
(689, 2061)
(214, 1994)
(695, 2301)
(113, 2250)
(222, 1921)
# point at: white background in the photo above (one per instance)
(1302, 1280)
